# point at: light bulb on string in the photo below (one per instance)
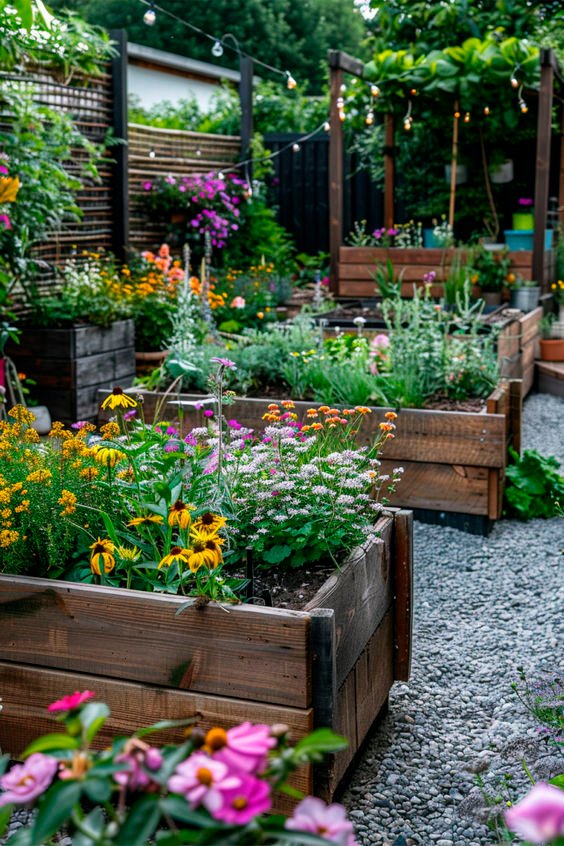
(523, 106)
(414, 92)
(343, 88)
(408, 120)
(340, 102)
(467, 117)
(514, 82)
(327, 126)
(369, 119)
(290, 81)
(217, 49)
(221, 175)
(296, 148)
(342, 116)
(374, 90)
(150, 16)
(487, 110)
(198, 152)
(152, 154)
(457, 114)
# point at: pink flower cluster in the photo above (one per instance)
(539, 817)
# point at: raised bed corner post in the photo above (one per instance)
(119, 153)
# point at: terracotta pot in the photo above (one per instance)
(552, 349)
(153, 357)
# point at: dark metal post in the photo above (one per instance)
(246, 98)
(119, 152)
(336, 144)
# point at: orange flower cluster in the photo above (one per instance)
(215, 300)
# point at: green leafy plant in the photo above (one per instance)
(534, 486)
(490, 268)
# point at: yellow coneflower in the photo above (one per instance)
(209, 524)
(128, 553)
(102, 555)
(179, 514)
(177, 555)
(108, 456)
(146, 519)
(117, 399)
(200, 555)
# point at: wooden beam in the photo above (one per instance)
(336, 142)
(402, 563)
(120, 198)
(342, 61)
(246, 99)
(389, 170)
(544, 132)
(561, 184)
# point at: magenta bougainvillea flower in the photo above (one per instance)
(25, 782)
(73, 700)
(539, 817)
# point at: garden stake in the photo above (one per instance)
(250, 568)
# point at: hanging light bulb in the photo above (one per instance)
(217, 49)
(369, 120)
(152, 154)
(340, 102)
(487, 110)
(374, 90)
(407, 124)
(342, 116)
(198, 152)
(514, 82)
(523, 106)
(221, 175)
(290, 81)
(467, 117)
(457, 114)
(414, 92)
(343, 88)
(296, 148)
(327, 126)
(150, 16)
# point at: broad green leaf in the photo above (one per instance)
(5, 814)
(97, 789)
(165, 724)
(51, 743)
(141, 822)
(92, 717)
(276, 554)
(55, 808)
(179, 809)
(321, 740)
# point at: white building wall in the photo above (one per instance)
(152, 86)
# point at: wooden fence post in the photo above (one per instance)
(389, 170)
(544, 130)
(119, 152)
(335, 171)
(246, 99)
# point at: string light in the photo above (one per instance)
(408, 120)
(217, 49)
(327, 126)
(152, 154)
(150, 16)
(457, 114)
(343, 88)
(296, 148)
(198, 152)
(369, 120)
(290, 81)
(467, 117)
(374, 90)
(514, 82)
(487, 110)
(522, 104)
(414, 92)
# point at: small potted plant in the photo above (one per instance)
(490, 270)
(557, 290)
(525, 293)
(551, 348)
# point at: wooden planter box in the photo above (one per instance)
(518, 346)
(454, 461)
(357, 266)
(71, 365)
(331, 664)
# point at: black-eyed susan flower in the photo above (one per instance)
(209, 524)
(102, 556)
(117, 399)
(108, 456)
(177, 555)
(128, 553)
(201, 554)
(146, 519)
(179, 515)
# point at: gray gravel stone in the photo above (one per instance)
(483, 606)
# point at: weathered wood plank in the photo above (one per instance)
(530, 325)
(246, 652)
(26, 692)
(403, 593)
(324, 666)
(441, 487)
(360, 594)
(374, 675)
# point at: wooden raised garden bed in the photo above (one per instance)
(70, 365)
(357, 266)
(518, 347)
(454, 461)
(331, 664)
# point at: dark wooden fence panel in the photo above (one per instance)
(300, 191)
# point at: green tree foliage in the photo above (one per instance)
(292, 34)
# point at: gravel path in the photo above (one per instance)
(483, 606)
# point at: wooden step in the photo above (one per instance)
(550, 377)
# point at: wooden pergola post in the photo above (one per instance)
(389, 169)
(246, 100)
(120, 167)
(338, 63)
(542, 172)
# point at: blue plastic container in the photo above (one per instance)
(522, 239)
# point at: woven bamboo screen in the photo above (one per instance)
(88, 99)
(159, 152)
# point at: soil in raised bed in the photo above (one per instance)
(287, 588)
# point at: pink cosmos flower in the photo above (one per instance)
(234, 424)
(25, 782)
(208, 412)
(380, 342)
(327, 821)
(147, 186)
(80, 424)
(129, 415)
(244, 802)
(4, 170)
(238, 302)
(539, 817)
(246, 747)
(202, 781)
(225, 362)
(68, 703)
(5, 221)
(138, 757)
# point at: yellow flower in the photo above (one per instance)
(23, 506)
(9, 187)
(4, 497)
(41, 476)
(147, 519)
(102, 555)
(117, 399)
(204, 551)
(179, 515)
(128, 553)
(6, 513)
(110, 431)
(68, 501)
(108, 456)
(89, 473)
(177, 555)
(8, 537)
(22, 415)
(209, 524)
(57, 429)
